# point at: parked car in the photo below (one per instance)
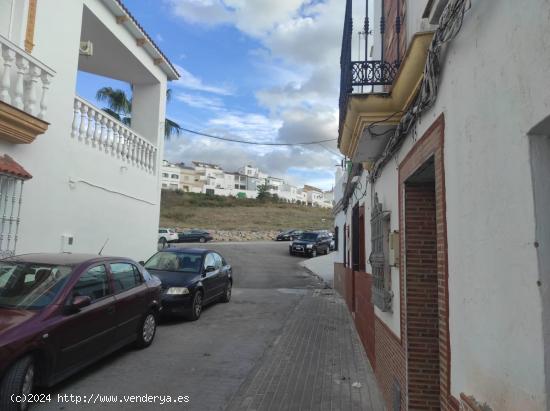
(193, 236)
(310, 243)
(289, 235)
(61, 312)
(167, 235)
(191, 278)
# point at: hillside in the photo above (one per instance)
(190, 210)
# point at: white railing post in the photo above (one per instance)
(76, 118)
(22, 67)
(5, 85)
(43, 102)
(96, 142)
(91, 125)
(32, 86)
(114, 145)
(83, 122)
(104, 133)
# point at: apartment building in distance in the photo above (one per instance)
(210, 178)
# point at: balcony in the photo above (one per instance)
(377, 90)
(93, 127)
(24, 84)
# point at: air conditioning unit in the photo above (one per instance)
(86, 48)
(434, 10)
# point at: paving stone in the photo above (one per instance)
(317, 363)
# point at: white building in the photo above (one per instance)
(170, 176)
(93, 178)
(442, 223)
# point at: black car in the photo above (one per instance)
(289, 235)
(191, 278)
(194, 236)
(310, 243)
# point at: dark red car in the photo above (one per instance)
(61, 312)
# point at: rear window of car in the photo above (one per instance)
(309, 236)
(169, 261)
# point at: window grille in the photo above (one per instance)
(381, 295)
(11, 191)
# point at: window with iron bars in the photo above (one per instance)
(11, 191)
(382, 295)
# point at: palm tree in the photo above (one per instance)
(120, 107)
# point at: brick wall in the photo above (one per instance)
(390, 36)
(364, 313)
(422, 297)
(390, 364)
(431, 145)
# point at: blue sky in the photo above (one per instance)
(260, 71)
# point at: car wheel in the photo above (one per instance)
(226, 297)
(147, 330)
(202, 240)
(196, 308)
(19, 380)
(326, 251)
(314, 253)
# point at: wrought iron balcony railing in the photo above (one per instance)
(373, 73)
(361, 76)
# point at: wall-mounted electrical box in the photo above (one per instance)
(67, 243)
(393, 256)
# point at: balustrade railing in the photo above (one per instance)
(94, 127)
(24, 81)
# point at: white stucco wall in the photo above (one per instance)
(76, 189)
(494, 88)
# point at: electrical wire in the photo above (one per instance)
(255, 143)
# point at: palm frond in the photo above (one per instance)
(171, 128)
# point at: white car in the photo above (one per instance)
(167, 235)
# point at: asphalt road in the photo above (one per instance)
(206, 360)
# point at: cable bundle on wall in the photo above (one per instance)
(449, 26)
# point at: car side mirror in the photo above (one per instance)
(209, 269)
(79, 302)
(142, 263)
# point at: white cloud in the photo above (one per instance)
(200, 101)
(299, 59)
(191, 82)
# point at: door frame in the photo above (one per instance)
(431, 144)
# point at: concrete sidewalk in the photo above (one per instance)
(317, 363)
(322, 266)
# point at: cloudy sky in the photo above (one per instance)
(259, 70)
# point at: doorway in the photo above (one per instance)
(421, 285)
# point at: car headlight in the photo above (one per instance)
(309, 246)
(177, 291)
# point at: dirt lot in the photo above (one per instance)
(185, 210)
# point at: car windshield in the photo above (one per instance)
(30, 286)
(168, 261)
(309, 236)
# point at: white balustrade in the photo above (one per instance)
(24, 80)
(94, 127)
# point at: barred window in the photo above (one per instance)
(11, 190)
(380, 227)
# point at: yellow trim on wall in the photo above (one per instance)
(29, 33)
(365, 109)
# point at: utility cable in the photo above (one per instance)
(255, 143)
